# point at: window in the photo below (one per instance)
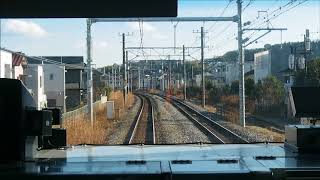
(51, 76)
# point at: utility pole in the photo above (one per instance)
(113, 79)
(202, 70)
(138, 77)
(241, 67)
(119, 77)
(203, 100)
(242, 43)
(143, 78)
(124, 63)
(184, 75)
(131, 80)
(192, 75)
(151, 75)
(169, 78)
(89, 73)
(128, 76)
(109, 79)
(162, 70)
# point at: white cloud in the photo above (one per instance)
(147, 27)
(24, 27)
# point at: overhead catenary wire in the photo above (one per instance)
(221, 14)
(255, 21)
(289, 6)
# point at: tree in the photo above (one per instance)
(273, 90)
(208, 84)
(234, 89)
(311, 77)
(258, 91)
(250, 88)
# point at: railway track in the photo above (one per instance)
(216, 132)
(143, 131)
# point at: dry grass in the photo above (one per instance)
(231, 108)
(211, 108)
(79, 129)
(119, 105)
(276, 137)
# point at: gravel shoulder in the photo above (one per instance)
(172, 126)
(119, 129)
(251, 133)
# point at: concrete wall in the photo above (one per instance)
(54, 85)
(5, 64)
(81, 113)
(35, 83)
(262, 65)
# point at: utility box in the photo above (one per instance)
(110, 110)
(305, 102)
(39, 123)
(303, 138)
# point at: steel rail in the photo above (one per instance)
(228, 134)
(213, 136)
(144, 100)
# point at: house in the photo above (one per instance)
(5, 64)
(232, 71)
(219, 74)
(224, 73)
(54, 83)
(73, 80)
(208, 76)
(34, 81)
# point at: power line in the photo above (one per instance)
(221, 14)
(290, 5)
(277, 15)
(249, 3)
(255, 21)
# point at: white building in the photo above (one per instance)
(232, 71)
(5, 64)
(54, 85)
(262, 65)
(34, 81)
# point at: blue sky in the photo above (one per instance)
(45, 37)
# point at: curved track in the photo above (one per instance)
(143, 131)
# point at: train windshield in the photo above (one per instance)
(220, 72)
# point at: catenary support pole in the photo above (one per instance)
(124, 67)
(241, 67)
(184, 75)
(89, 73)
(202, 70)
